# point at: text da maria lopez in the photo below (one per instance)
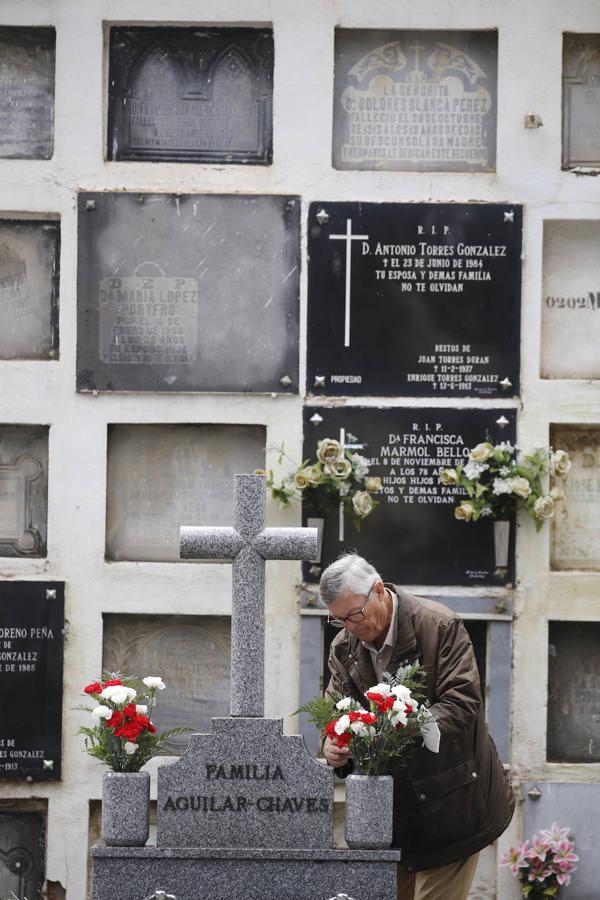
(236, 801)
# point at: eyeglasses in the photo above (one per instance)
(357, 616)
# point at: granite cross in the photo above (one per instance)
(248, 544)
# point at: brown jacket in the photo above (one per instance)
(450, 804)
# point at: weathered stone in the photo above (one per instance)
(245, 785)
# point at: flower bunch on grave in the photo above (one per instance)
(498, 479)
(337, 475)
(381, 732)
(544, 864)
(123, 735)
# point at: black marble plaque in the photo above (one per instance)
(191, 95)
(573, 726)
(23, 490)
(27, 92)
(29, 267)
(581, 100)
(188, 292)
(31, 680)
(414, 299)
(412, 537)
(420, 101)
(22, 854)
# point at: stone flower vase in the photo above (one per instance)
(369, 811)
(501, 540)
(125, 808)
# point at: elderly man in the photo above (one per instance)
(448, 804)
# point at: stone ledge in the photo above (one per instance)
(337, 855)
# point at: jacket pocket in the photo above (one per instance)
(450, 804)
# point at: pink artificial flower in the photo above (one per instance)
(555, 834)
(538, 849)
(563, 853)
(563, 878)
(515, 858)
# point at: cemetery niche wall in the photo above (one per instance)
(22, 853)
(412, 537)
(191, 94)
(415, 100)
(161, 477)
(31, 667)
(29, 267)
(27, 92)
(575, 525)
(581, 100)
(23, 490)
(573, 729)
(571, 299)
(414, 299)
(193, 655)
(170, 287)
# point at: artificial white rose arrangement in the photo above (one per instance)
(498, 479)
(338, 475)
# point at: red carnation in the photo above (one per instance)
(330, 729)
(344, 739)
(129, 711)
(408, 708)
(130, 731)
(354, 716)
(382, 703)
(368, 718)
(115, 681)
(115, 719)
(94, 688)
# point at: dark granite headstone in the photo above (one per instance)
(191, 94)
(31, 682)
(414, 299)
(22, 854)
(573, 692)
(23, 490)
(27, 92)
(420, 101)
(412, 537)
(188, 292)
(581, 100)
(29, 262)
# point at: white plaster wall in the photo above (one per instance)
(528, 172)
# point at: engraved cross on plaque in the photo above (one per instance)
(348, 237)
(248, 544)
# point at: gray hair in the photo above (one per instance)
(349, 573)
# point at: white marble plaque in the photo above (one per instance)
(192, 654)
(161, 477)
(581, 100)
(415, 100)
(576, 524)
(571, 300)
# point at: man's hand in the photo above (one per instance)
(335, 756)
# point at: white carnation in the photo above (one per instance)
(154, 681)
(102, 712)
(129, 747)
(342, 724)
(118, 693)
(344, 703)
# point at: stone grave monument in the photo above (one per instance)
(246, 811)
